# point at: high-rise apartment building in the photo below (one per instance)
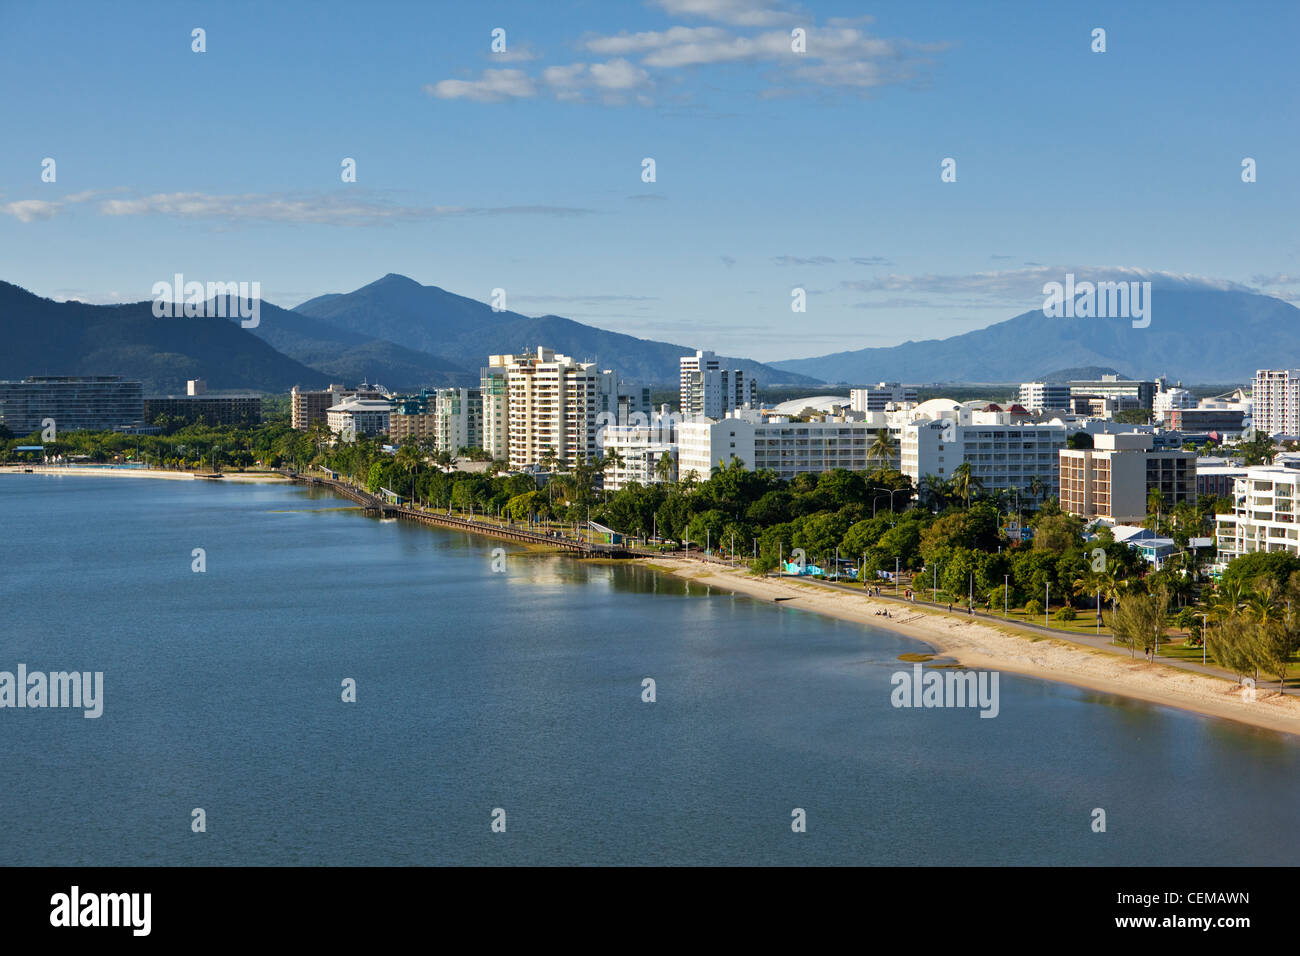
(1276, 401)
(551, 405)
(458, 419)
(709, 390)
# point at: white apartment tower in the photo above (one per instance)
(550, 406)
(1276, 400)
(709, 390)
(495, 431)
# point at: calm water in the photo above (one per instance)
(522, 690)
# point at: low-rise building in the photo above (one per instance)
(875, 398)
(308, 407)
(1041, 396)
(1006, 450)
(785, 447)
(1263, 516)
(206, 408)
(359, 416)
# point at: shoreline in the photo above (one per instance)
(979, 644)
(110, 472)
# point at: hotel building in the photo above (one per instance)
(75, 403)
(1111, 480)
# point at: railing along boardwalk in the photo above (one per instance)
(373, 504)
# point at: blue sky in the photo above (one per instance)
(522, 170)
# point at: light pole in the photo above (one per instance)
(1006, 587)
(934, 587)
(1047, 603)
(889, 492)
(1205, 626)
(895, 577)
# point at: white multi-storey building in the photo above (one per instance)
(635, 452)
(458, 419)
(1276, 401)
(1004, 453)
(1168, 399)
(359, 416)
(874, 398)
(1037, 396)
(493, 392)
(1263, 516)
(709, 390)
(785, 447)
(551, 407)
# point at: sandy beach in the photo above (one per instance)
(251, 476)
(982, 644)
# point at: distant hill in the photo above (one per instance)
(1084, 373)
(350, 357)
(44, 337)
(429, 319)
(1195, 335)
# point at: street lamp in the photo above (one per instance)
(888, 491)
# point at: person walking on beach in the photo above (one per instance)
(949, 607)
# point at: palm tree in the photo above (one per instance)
(1036, 489)
(548, 460)
(1155, 504)
(883, 448)
(933, 490)
(965, 483)
(664, 468)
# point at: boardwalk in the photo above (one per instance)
(373, 504)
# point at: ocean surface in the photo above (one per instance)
(522, 690)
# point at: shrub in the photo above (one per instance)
(1034, 607)
(1066, 613)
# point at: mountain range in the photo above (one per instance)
(393, 331)
(1200, 336)
(466, 331)
(405, 335)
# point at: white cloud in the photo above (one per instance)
(358, 209)
(612, 81)
(493, 86)
(30, 210)
(837, 56)
(1027, 284)
(803, 261)
(741, 13)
